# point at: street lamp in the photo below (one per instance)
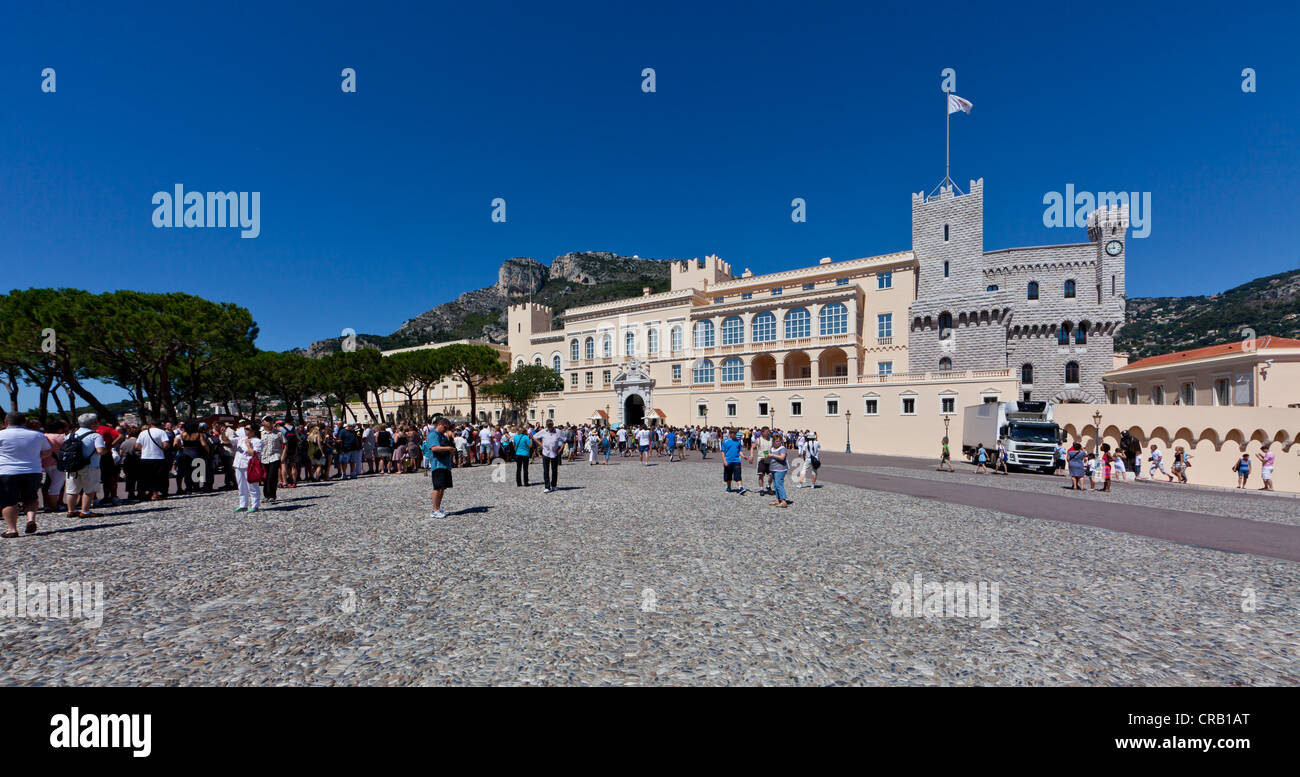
(847, 447)
(1096, 424)
(607, 418)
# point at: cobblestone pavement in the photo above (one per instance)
(634, 575)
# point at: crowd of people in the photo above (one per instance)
(1124, 463)
(49, 467)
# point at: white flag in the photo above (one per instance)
(956, 103)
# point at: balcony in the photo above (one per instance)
(797, 382)
(762, 384)
(840, 380)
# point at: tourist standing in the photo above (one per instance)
(272, 454)
(522, 446)
(776, 456)
(1266, 460)
(83, 482)
(552, 442)
(54, 477)
(20, 473)
(1076, 461)
(248, 446)
(731, 450)
(154, 442)
(1243, 470)
(438, 450)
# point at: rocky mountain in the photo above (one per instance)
(1269, 306)
(574, 279)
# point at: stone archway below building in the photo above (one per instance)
(1073, 396)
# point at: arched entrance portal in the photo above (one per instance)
(634, 410)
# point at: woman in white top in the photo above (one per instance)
(247, 445)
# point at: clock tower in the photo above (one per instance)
(1108, 231)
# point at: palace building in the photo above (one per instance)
(879, 352)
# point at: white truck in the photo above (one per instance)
(1026, 427)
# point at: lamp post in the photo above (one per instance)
(946, 419)
(607, 418)
(1096, 424)
(847, 447)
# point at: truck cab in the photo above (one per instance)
(1027, 429)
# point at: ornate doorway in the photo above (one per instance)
(634, 388)
(634, 410)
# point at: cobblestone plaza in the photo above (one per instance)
(633, 575)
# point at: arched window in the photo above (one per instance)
(629, 343)
(675, 339)
(1071, 372)
(704, 335)
(798, 323)
(703, 372)
(537, 360)
(1069, 289)
(733, 330)
(652, 341)
(555, 362)
(945, 364)
(764, 327)
(1081, 334)
(945, 325)
(1063, 334)
(733, 370)
(833, 319)
(607, 347)
(519, 364)
(1027, 374)
(573, 350)
(591, 348)
(1033, 290)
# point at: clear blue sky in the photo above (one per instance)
(376, 205)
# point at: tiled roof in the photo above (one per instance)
(1223, 349)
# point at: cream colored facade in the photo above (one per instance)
(1263, 372)
(821, 348)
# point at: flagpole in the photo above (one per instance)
(947, 139)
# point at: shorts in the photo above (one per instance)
(644, 448)
(622, 445)
(83, 481)
(731, 472)
(55, 477)
(19, 489)
(1266, 473)
(441, 478)
(764, 466)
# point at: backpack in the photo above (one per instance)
(72, 457)
(291, 436)
(349, 440)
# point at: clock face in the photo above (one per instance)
(1114, 247)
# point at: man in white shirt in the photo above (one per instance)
(20, 472)
(622, 440)
(643, 445)
(552, 442)
(1157, 462)
(484, 444)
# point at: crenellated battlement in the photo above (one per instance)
(1107, 220)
